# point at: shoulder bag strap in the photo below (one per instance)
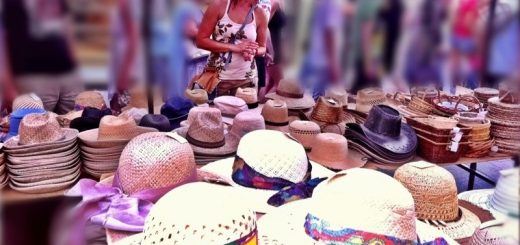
(232, 40)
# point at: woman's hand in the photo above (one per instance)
(245, 46)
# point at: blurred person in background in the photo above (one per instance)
(222, 20)
(391, 15)
(186, 59)
(321, 65)
(6, 83)
(40, 55)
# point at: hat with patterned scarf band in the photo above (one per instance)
(267, 162)
(355, 206)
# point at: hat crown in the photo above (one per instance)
(95, 113)
(384, 120)
(328, 110)
(157, 121)
(89, 99)
(506, 193)
(230, 105)
(330, 147)
(290, 87)
(433, 189)
(304, 132)
(275, 111)
(39, 128)
(27, 101)
(207, 127)
(387, 211)
(274, 154)
(249, 95)
(176, 107)
(246, 122)
(183, 216)
(490, 233)
(154, 160)
(339, 94)
(115, 128)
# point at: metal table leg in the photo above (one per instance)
(471, 181)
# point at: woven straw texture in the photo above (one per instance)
(419, 104)
(246, 122)
(27, 101)
(305, 132)
(197, 96)
(275, 111)
(369, 97)
(90, 99)
(3, 171)
(249, 95)
(339, 94)
(39, 128)
(490, 233)
(154, 160)
(230, 105)
(328, 110)
(331, 150)
(293, 94)
(505, 125)
(208, 127)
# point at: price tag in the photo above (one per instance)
(457, 137)
(1, 146)
(454, 147)
(455, 130)
(482, 114)
(177, 137)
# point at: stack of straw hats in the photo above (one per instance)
(505, 125)
(102, 147)
(44, 157)
(22, 106)
(329, 115)
(483, 94)
(3, 171)
(366, 98)
(93, 99)
(480, 141)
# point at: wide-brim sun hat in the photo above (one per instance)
(293, 94)
(331, 151)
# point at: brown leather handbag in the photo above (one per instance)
(207, 80)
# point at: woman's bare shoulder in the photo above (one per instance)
(218, 6)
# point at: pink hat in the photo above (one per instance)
(230, 106)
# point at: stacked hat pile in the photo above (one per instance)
(383, 137)
(91, 99)
(44, 157)
(22, 106)
(3, 171)
(102, 147)
(480, 141)
(484, 94)
(329, 114)
(505, 125)
(369, 97)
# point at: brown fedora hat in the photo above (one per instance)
(290, 91)
(276, 115)
(331, 150)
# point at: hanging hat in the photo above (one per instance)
(305, 132)
(198, 213)
(331, 150)
(230, 106)
(436, 203)
(90, 118)
(249, 95)
(206, 134)
(369, 97)
(266, 162)
(157, 121)
(329, 114)
(197, 96)
(276, 115)
(293, 94)
(112, 131)
(338, 94)
(501, 201)
(176, 109)
(355, 206)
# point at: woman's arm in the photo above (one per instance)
(261, 30)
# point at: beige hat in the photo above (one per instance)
(230, 106)
(139, 99)
(338, 94)
(366, 98)
(197, 96)
(331, 150)
(112, 131)
(276, 115)
(330, 116)
(249, 95)
(305, 132)
(492, 233)
(436, 203)
(27, 101)
(245, 122)
(293, 94)
(90, 99)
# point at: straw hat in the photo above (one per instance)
(197, 96)
(293, 94)
(501, 201)
(329, 115)
(382, 213)
(331, 150)
(271, 154)
(113, 131)
(198, 213)
(491, 233)
(89, 99)
(245, 122)
(338, 94)
(305, 132)
(206, 134)
(139, 99)
(249, 95)
(27, 101)
(230, 106)
(276, 115)
(16, 117)
(155, 160)
(435, 194)
(368, 97)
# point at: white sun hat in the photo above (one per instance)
(198, 213)
(269, 153)
(349, 208)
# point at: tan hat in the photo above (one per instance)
(197, 96)
(27, 101)
(245, 122)
(305, 132)
(331, 150)
(249, 95)
(230, 106)
(293, 94)
(338, 94)
(89, 99)
(276, 115)
(330, 116)
(366, 98)
(492, 233)
(435, 193)
(139, 99)
(113, 131)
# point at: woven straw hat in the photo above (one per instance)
(305, 132)
(435, 194)
(155, 160)
(206, 134)
(192, 114)
(27, 101)
(276, 115)
(491, 233)
(230, 106)
(368, 97)
(249, 95)
(139, 99)
(245, 122)
(338, 94)
(113, 131)
(198, 213)
(329, 115)
(197, 96)
(501, 201)
(270, 153)
(331, 150)
(293, 94)
(89, 99)
(324, 218)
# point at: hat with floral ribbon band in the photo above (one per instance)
(331, 150)
(436, 203)
(230, 106)
(249, 95)
(305, 132)
(268, 161)
(369, 97)
(276, 115)
(293, 94)
(183, 216)
(331, 216)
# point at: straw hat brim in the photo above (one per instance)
(69, 137)
(257, 198)
(57, 185)
(353, 159)
(43, 151)
(101, 156)
(45, 175)
(54, 164)
(44, 161)
(103, 151)
(90, 137)
(482, 199)
(285, 225)
(230, 146)
(44, 155)
(301, 103)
